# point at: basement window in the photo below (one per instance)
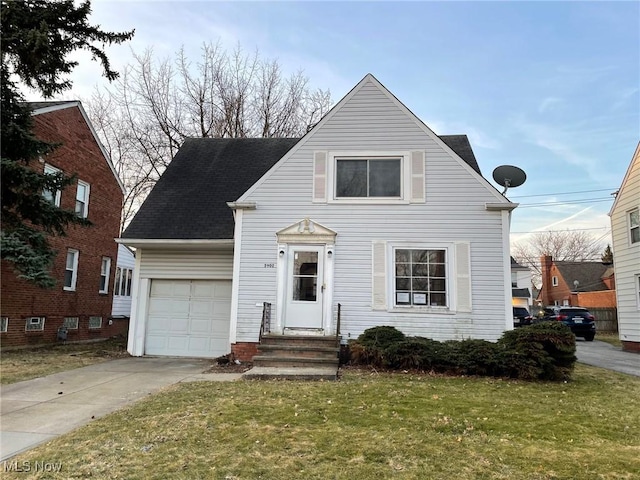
(70, 323)
(4, 324)
(95, 323)
(34, 324)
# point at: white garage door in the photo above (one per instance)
(189, 318)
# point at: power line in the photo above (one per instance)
(566, 230)
(572, 202)
(563, 193)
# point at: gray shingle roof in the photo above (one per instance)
(588, 274)
(190, 199)
(37, 105)
(520, 292)
(460, 144)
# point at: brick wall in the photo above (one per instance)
(244, 351)
(600, 299)
(631, 346)
(79, 154)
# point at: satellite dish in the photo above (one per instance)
(509, 176)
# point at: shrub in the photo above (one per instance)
(380, 337)
(551, 344)
(416, 352)
(544, 351)
(474, 357)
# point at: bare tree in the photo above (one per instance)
(568, 246)
(157, 103)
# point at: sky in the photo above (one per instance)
(551, 87)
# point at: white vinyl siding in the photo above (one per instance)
(626, 255)
(123, 283)
(453, 211)
(186, 264)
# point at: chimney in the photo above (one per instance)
(545, 267)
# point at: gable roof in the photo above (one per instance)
(460, 145)
(588, 274)
(502, 201)
(40, 108)
(627, 178)
(190, 199)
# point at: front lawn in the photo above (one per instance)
(366, 426)
(34, 362)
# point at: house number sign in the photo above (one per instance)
(269, 265)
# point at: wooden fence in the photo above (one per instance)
(606, 319)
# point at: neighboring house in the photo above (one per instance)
(585, 284)
(85, 263)
(122, 283)
(521, 285)
(625, 228)
(370, 214)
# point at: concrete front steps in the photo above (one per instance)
(296, 357)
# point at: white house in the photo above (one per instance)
(121, 307)
(625, 229)
(370, 211)
(521, 285)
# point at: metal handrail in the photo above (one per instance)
(265, 326)
(338, 321)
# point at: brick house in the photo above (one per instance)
(587, 284)
(85, 264)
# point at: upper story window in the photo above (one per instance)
(634, 225)
(554, 281)
(82, 199)
(514, 279)
(52, 196)
(71, 270)
(379, 177)
(122, 287)
(368, 177)
(105, 268)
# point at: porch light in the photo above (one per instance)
(281, 253)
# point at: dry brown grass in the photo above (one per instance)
(366, 426)
(25, 364)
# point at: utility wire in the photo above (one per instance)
(571, 202)
(564, 193)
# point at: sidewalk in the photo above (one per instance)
(38, 410)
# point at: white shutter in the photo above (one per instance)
(320, 177)
(463, 277)
(379, 274)
(417, 177)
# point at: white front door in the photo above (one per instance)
(305, 287)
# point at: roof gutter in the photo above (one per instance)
(242, 205)
(170, 243)
(494, 207)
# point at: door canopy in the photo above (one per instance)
(306, 231)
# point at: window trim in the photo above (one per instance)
(554, 281)
(450, 273)
(85, 200)
(77, 322)
(57, 195)
(74, 274)
(93, 317)
(637, 289)
(106, 274)
(405, 175)
(631, 227)
(4, 324)
(29, 321)
(122, 284)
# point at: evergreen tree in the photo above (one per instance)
(36, 38)
(607, 256)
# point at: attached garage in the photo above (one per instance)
(188, 318)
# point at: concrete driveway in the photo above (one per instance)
(38, 410)
(605, 355)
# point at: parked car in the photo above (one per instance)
(521, 317)
(581, 322)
